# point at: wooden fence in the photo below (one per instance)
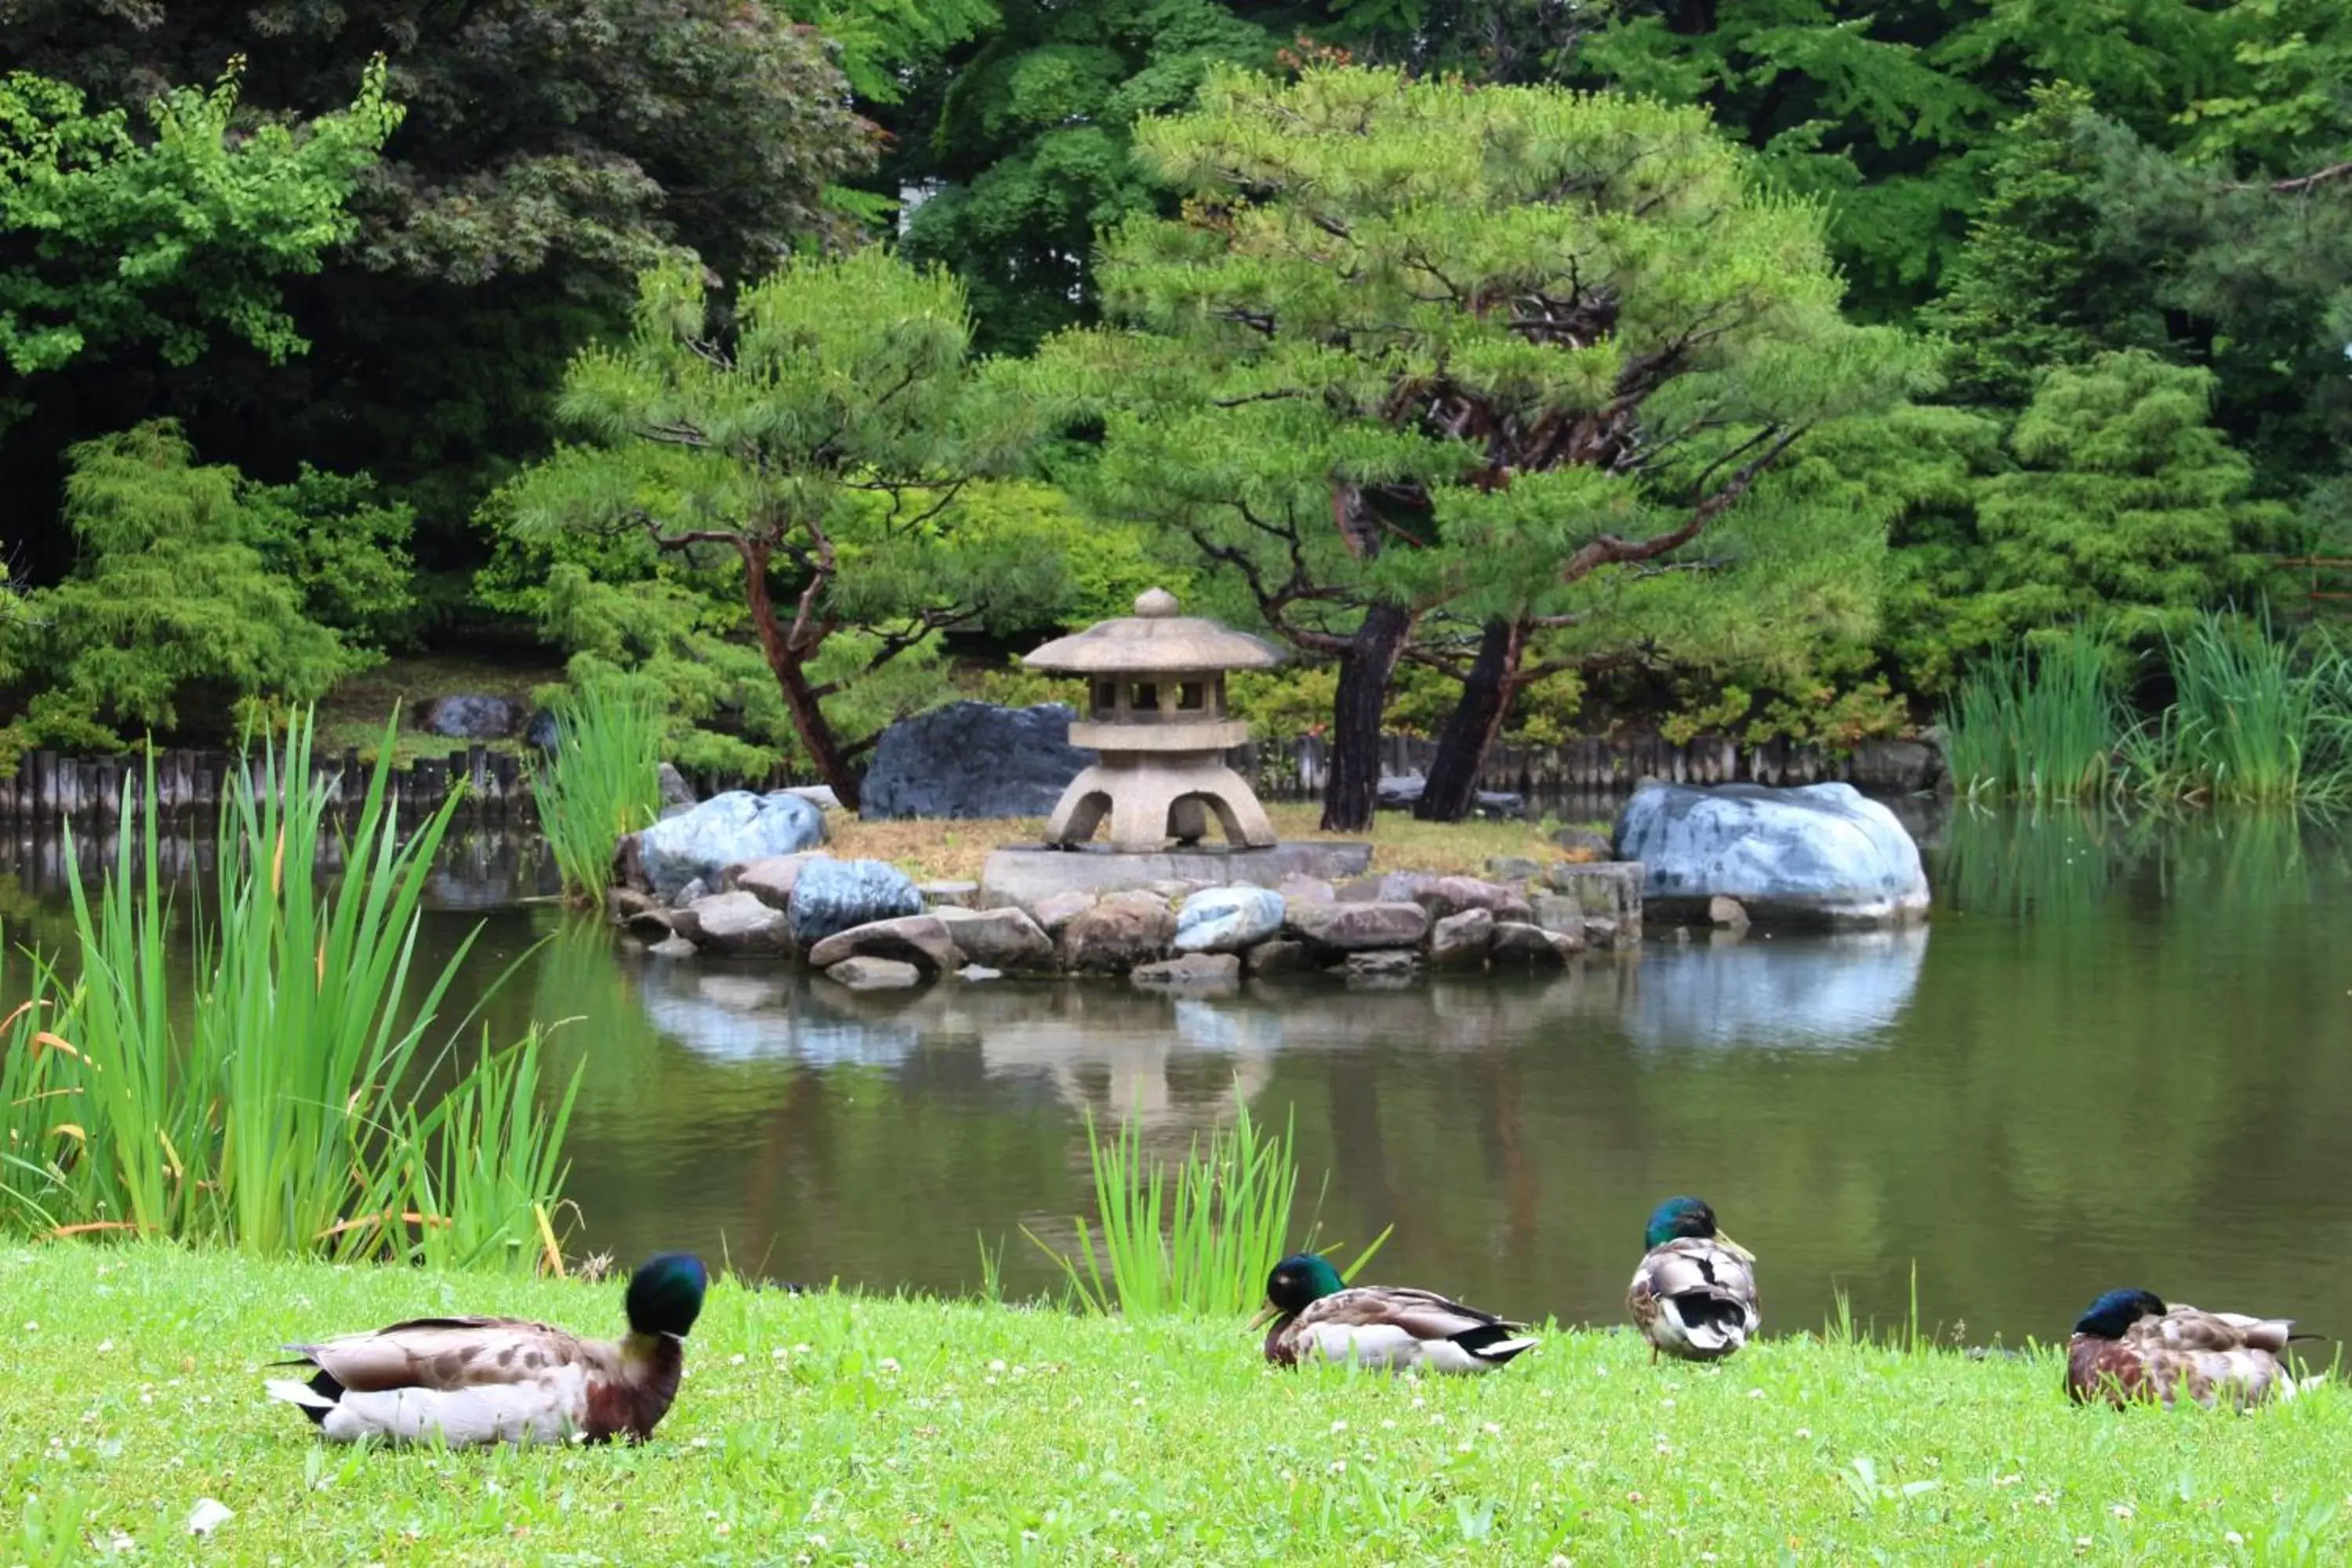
(190, 784)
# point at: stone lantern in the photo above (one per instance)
(1157, 715)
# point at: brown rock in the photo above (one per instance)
(1521, 946)
(1444, 896)
(1191, 970)
(1005, 939)
(771, 880)
(736, 923)
(919, 939)
(1116, 935)
(874, 974)
(1055, 910)
(1297, 889)
(1349, 928)
(1279, 957)
(1460, 942)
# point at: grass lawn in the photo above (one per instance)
(934, 850)
(836, 1429)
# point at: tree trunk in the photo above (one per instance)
(1352, 790)
(1471, 728)
(790, 666)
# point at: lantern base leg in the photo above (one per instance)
(1150, 801)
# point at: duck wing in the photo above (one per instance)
(449, 1353)
(1693, 1297)
(2206, 1356)
(1423, 1314)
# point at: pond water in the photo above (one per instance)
(2120, 1055)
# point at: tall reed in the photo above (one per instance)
(2040, 726)
(1201, 1239)
(2256, 720)
(603, 781)
(258, 1102)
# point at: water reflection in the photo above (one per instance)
(2116, 1054)
(1826, 993)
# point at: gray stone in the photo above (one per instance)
(1114, 937)
(629, 863)
(1601, 932)
(1024, 876)
(738, 923)
(1520, 946)
(1899, 767)
(726, 829)
(541, 734)
(874, 974)
(1193, 969)
(771, 878)
(1055, 910)
(1174, 890)
(1401, 792)
(1380, 970)
(958, 895)
(1362, 890)
(673, 947)
(979, 971)
(1297, 889)
(1511, 867)
(1556, 911)
(1004, 939)
(831, 896)
(694, 892)
(472, 717)
(973, 760)
(651, 924)
(1611, 890)
(818, 796)
(1279, 956)
(1227, 919)
(1460, 942)
(1348, 928)
(919, 939)
(675, 791)
(1723, 912)
(1442, 896)
(1583, 845)
(1819, 854)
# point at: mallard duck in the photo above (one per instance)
(1695, 1294)
(491, 1380)
(1377, 1325)
(2131, 1346)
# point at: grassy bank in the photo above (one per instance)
(831, 1429)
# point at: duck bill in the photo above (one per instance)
(1266, 1315)
(1734, 1248)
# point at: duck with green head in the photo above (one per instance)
(1694, 1296)
(2130, 1346)
(1318, 1316)
(464, 1381)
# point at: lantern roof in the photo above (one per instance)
(1153, 640)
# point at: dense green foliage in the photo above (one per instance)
(355, 269)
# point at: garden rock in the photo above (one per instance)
(1442, 896)
(650, 924)
(1601, 932)
(687, 896)
(1902, 767)
(1556, 911)
(1227, 919)
(1401, 792)
(771, 878)
(1005, 939)
(1611, 888)
(1279, 956)
(626, 903)
(1297, 889)
(973, 760)
(1191, 970)
(1723, 912)
(737, 924)
(957, 895)
(874, 974)
(1521, 946)
(673, 947)
(829, 896)
(1822, 853)
(541, 733)
(1460, 942)
(1116, 935)
(677, 794)
(1511, 867)
(1349, 928)
(1381, 970)
(1055, 911)
(472, 717)
(919, 939)
(724, 830)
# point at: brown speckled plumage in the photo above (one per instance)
(2206, 1356)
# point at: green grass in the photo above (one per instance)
(604, 782)
(2040, 726)
(258, 1090)
(2256, 720)
(840, 1429)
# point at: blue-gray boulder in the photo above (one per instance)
(1227, 919)
(834, 896)
(472, 717)
(1823, 854)
(541, 733)
(726, 830)
(974, 759)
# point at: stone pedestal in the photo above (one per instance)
(1023, 875)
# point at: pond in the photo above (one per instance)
(2120, 1055)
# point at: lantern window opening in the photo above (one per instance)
(1146, 698)
(1192, 697)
